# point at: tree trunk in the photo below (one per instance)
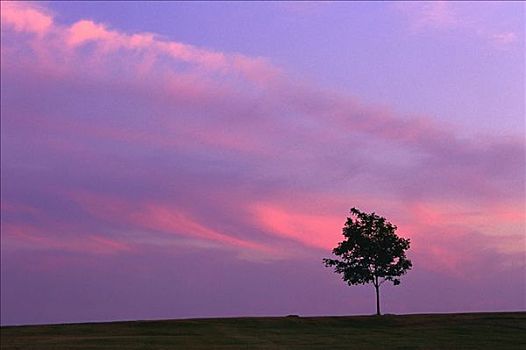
(377, 288)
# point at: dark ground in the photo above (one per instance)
(434, 331)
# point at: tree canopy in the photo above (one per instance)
(370, 253)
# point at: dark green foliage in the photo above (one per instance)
(371, 252)
(446, 331)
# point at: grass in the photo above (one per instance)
(433, 331)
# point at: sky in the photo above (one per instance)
(195, 159)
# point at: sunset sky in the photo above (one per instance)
(192, 159)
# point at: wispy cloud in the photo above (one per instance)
(504, 39)
(432, 14)
(449, 16)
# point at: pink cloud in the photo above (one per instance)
(482, 22)
(31, 237)
(187, 53)
(256, 69)
(85, 31)
(172, 220)
(24, 17)
(313, 230)
(437, 14)
(457, 237)
(432, 14)
(159, 217)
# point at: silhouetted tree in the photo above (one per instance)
(370, 253)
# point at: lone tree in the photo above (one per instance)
(370, 253)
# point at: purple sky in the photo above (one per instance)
(166, 160)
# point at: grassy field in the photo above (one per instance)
(436, 331)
